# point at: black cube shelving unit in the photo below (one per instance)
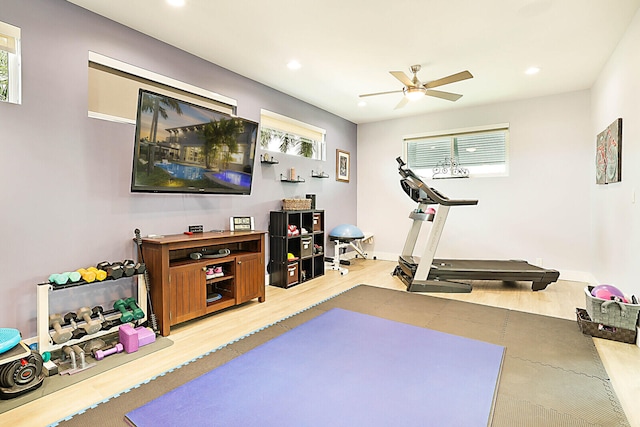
(307, 247)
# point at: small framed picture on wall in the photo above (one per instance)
(343, 165)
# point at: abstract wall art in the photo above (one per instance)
(609, 154)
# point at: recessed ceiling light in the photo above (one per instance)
(532, 70)
(294, 65)
(176, 3)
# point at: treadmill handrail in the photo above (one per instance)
(433, 194)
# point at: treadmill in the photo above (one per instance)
(429, 274)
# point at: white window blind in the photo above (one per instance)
(481, 151)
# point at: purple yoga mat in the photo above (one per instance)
(341, 369)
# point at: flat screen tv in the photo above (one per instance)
(181, 147)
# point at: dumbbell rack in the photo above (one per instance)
(45, 342)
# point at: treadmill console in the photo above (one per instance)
(417, 195)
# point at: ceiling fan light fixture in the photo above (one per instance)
(414, 93)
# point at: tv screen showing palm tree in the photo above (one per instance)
(181, 147)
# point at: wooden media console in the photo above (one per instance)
(180, 289)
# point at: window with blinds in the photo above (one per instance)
(289, 136)
(10, 86)
(464, 152)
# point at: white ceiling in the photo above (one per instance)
(348, 47)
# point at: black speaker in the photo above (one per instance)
(313, 200)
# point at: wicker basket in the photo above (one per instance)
(611, 313)
(296, 204)
(603, 331)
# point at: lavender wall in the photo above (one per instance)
(65, 177)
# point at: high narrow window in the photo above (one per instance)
(10, 86)
(286, 135)
(114, 85)
(465, 152)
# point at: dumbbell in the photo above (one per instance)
(129, 267)
(121, 306)
(74, 276)
(70, 318)
(100, 274)
(138, 267)
(114, 271)
(87, 276)
(91, 326)
(59, 278)
(106, 324)
(137, 311)
(60, 336)
(101, 354)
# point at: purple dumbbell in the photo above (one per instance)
(101, 354)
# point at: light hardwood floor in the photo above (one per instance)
(195, 338)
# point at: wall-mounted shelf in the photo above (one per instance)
(319, 174)
(266, 160)
(285, 179)
(269, 162)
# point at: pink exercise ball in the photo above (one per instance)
(606, 292)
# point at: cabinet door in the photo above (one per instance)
(249, 278)
(187, 288)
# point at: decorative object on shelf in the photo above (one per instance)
(288, 179)
(296, 204)
(196, 229)
(449, 168)
(342, 165)
(270, 160)
(609, 154)
(312, 197)
(241, 223)
(292, 174)
(319, 174)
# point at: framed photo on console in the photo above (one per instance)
(241, 223)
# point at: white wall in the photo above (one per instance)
(615, 226)
(541, 210)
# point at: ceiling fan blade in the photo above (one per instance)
(463, 75)
(444, 95)
(402, 103)
(380, 93)
(402, 77)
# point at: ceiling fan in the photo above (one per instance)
(415, 89)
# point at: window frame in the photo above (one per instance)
(12, 49)
(279, 126)
(473, 171)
